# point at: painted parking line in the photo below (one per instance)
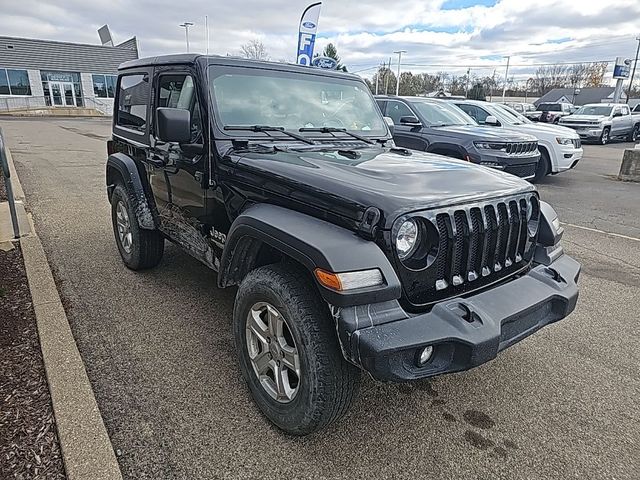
(611, 234)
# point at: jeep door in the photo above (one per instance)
(617, 122)
(407, 136)
(178, 179)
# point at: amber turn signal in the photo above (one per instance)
(328, 279)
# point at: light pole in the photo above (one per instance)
(399, 52)
(633, 72)
(506, 74)
(526, 88)
(466, 88)
(186, 26)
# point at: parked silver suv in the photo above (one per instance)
(603, 121)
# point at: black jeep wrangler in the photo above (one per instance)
(349, 253)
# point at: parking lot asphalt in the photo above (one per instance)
(158, 349)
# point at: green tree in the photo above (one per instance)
(332, 52)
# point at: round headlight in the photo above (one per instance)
(533, 216)
(407, 238)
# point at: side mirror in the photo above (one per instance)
(174, 124)
(390, 124)
(411, 121)
(491, 120)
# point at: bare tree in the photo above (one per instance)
(254, 50)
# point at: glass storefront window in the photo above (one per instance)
(14, 82)
(104, 86)
(55, 82)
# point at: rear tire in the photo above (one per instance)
(323, 384)
(606, 136)
(634, 136)
(544, 166)
(140, 249)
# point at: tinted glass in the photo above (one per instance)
(133, 99)
(294, 100)
(397, 110)
(178, 91)
(4, 82)
(19, 82)
(99, 86)
(550, 107)
(442, 114)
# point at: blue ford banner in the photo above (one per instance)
(307, 33)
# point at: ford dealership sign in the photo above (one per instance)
(324, 62)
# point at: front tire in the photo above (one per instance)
(544, 166)
(606, 136)
(288, 351)
(140, 249)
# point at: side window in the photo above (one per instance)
(179, 91)
(397, 110)
(625, 110)
(518, 108)
(616, 111)
(481, 115)
(468, 109)
(133, 99)
(381, 105)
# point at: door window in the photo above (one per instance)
(397, 110)
(617, 111)
(625, 110)
(133, 99)
(179, 91)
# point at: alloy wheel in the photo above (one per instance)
(605, 137)
(273, 353)
(124, 227)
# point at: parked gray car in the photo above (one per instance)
(439, 126)
(603, 121)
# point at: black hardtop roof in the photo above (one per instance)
(193, 58)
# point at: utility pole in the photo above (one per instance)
(386, 78)
(506, 74)
(399, 52)
(633, 72)
(186, 26)
(378, 78)
(466, 88)
(493, 81)
(206, 32)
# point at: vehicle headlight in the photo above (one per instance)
(533, 216)
(490, 146)
(564, 141)
(407, 238)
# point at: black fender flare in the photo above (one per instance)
(313, 243)
(447, 146)
(119, 164)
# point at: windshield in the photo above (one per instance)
(518, 119)
(442, 114)
(550, 107)
(250, 96)
(593, 110)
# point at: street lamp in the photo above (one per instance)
(399, 52)
(186, 26)
(506, 75)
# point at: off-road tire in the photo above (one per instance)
(328, 383)
(605, 137)
(147, 246)
(544, 166)
(635, 134)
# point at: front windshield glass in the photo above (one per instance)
(250, 96)
(517, 119)
(442, 114)
(593, 110)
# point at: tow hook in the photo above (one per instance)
(469, 315)
(555, 275)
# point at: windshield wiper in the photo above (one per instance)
(334, 130)
(268, 128)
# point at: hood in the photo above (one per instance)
(550, 129)
(382, 178)
(584, 118)
(480, 132)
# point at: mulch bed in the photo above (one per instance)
(3, 192)
(29, 447)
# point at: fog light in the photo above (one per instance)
(425, 355)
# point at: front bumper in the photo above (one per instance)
(523, 166)
(586, 132)
(465, 332)
(568, 157)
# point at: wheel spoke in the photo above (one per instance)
(275, 322)
(291, 360)
(262, 362)
(256, 326)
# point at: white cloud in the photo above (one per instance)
(366, 32)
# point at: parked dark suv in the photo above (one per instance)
(439, 126)
(348, 252)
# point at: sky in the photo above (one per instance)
(439, 35)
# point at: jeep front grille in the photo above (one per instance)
(478, 244)
(521, 148)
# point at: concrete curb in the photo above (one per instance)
(85, 444)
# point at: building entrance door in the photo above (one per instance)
(62, 94)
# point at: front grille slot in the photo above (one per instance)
(477, 245)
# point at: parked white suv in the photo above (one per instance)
(560, 147)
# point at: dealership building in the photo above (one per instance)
(43, 73)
